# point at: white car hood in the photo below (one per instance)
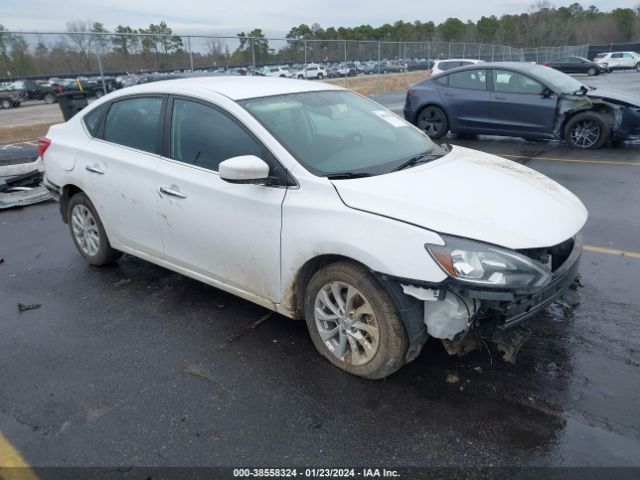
(473, 195)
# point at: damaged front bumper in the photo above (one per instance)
(512, 308)
(461, 315)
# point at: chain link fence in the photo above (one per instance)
(45, 55)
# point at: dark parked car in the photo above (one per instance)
(9, 98)
(577, 65)
(521, 100)
(92, 89)
(413, 65)
(393, 67)
(32, 90)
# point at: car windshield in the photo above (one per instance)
(559, 82)
(339, 132)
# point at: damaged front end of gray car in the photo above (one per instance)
(587, 119)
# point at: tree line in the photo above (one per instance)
(542, 26)
(156, 47)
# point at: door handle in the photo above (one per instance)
(94, 169)
(173, 191)
(500, 98)
(449, 95)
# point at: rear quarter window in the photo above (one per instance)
(93, 119)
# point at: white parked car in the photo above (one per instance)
(440, 66)
(281, 72)
(317, 203)
(311, 71)
(618, 60)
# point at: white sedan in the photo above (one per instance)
(318, 203)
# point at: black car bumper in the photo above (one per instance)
(629, 128)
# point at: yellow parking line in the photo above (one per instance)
(571, 160)
(610, 251)
(12, 465)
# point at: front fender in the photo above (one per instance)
(328, 227)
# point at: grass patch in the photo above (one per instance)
(23, 133)
(375, 85)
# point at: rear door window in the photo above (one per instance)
(469, 80)
(135, 123)
(448, 65)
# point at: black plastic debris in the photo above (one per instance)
(29, 179)
(32, 306)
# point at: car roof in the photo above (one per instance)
(460, 60)
(521, 67)
(234, 87)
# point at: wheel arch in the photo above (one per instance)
(409, 309)
(303, 276)
(600, 108)
(67, 192)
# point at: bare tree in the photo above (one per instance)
(78, 32)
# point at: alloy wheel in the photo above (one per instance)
(585, 133)
(85, 230)
(431, 122)
(346, 323)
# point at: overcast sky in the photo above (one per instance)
(275, 17)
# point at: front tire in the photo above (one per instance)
(88, 233)
(586, 130)
(591, 71)
(433, 121)
(353, 322)
(49, 99)
(638, 67)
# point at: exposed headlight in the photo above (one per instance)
(487, 265)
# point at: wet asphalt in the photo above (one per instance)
(133, 365)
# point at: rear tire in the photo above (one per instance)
(366, 336)
(6, 104)
(433, 121)
(587, 130)
(88, 233)
(320, 76)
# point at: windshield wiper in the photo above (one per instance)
(347, 175)
(421, 158)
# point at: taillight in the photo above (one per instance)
(409, 92)
(43, 144)
(546, 64)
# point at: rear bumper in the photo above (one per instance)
(410, 115)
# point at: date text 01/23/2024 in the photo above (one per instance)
(314, 473)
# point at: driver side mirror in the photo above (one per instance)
(546, 92)
(244, 169)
